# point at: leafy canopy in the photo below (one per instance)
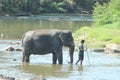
(108, 13)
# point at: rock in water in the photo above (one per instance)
(6, 78)
(9, 48)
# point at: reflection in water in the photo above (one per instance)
(14, 28)
(80, 68)
(48, 69)
(103, 67)
(70, 68)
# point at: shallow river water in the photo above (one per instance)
(102, 66)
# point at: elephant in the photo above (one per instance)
(45, 41)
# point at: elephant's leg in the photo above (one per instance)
(26, 55)
(60, 58)
(23, 60)
(54, 58)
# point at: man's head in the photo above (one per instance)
(82, 41)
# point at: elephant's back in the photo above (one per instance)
(29, 33)
(46, 31)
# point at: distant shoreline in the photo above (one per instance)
(28, 14)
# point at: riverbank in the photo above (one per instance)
(97, 37)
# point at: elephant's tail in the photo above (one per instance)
(22, 40)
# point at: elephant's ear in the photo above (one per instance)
(62, 36)
(65, 35)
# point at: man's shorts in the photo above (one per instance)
(81, 57)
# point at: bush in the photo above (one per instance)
(116, 40)
(107, 13)
(97, 36)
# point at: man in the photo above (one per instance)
(81, 52)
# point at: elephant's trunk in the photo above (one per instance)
(71, 51)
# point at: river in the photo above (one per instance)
(14, 27)
(102, 66)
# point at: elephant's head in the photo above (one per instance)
(68, 41)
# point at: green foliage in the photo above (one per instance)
(87, 5)
(107, 13)
(103, 34)
(98, 14)
(47, 6)
(81, 31)
(81, 34)
(97, 36)
(116, 40)
(106, 25)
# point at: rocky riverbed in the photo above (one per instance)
(40, 67)
(109, 48)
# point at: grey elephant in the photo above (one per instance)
(45, 41)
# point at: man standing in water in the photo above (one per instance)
(81, 52)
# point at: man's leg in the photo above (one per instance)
(81, 61)
(77, 61)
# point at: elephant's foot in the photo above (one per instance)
(60, 62)
(54, 58)
(54, 62)
(26, 59)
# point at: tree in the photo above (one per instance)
(107, 13)
(87, 5)
(47, 6)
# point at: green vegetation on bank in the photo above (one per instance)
(36, 7)
(97, 37)
(107, 14)
(106, 27)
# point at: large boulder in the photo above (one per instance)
(19, 49)
(99, 50)
(6, 78)
(9, 48)
(112, 48)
